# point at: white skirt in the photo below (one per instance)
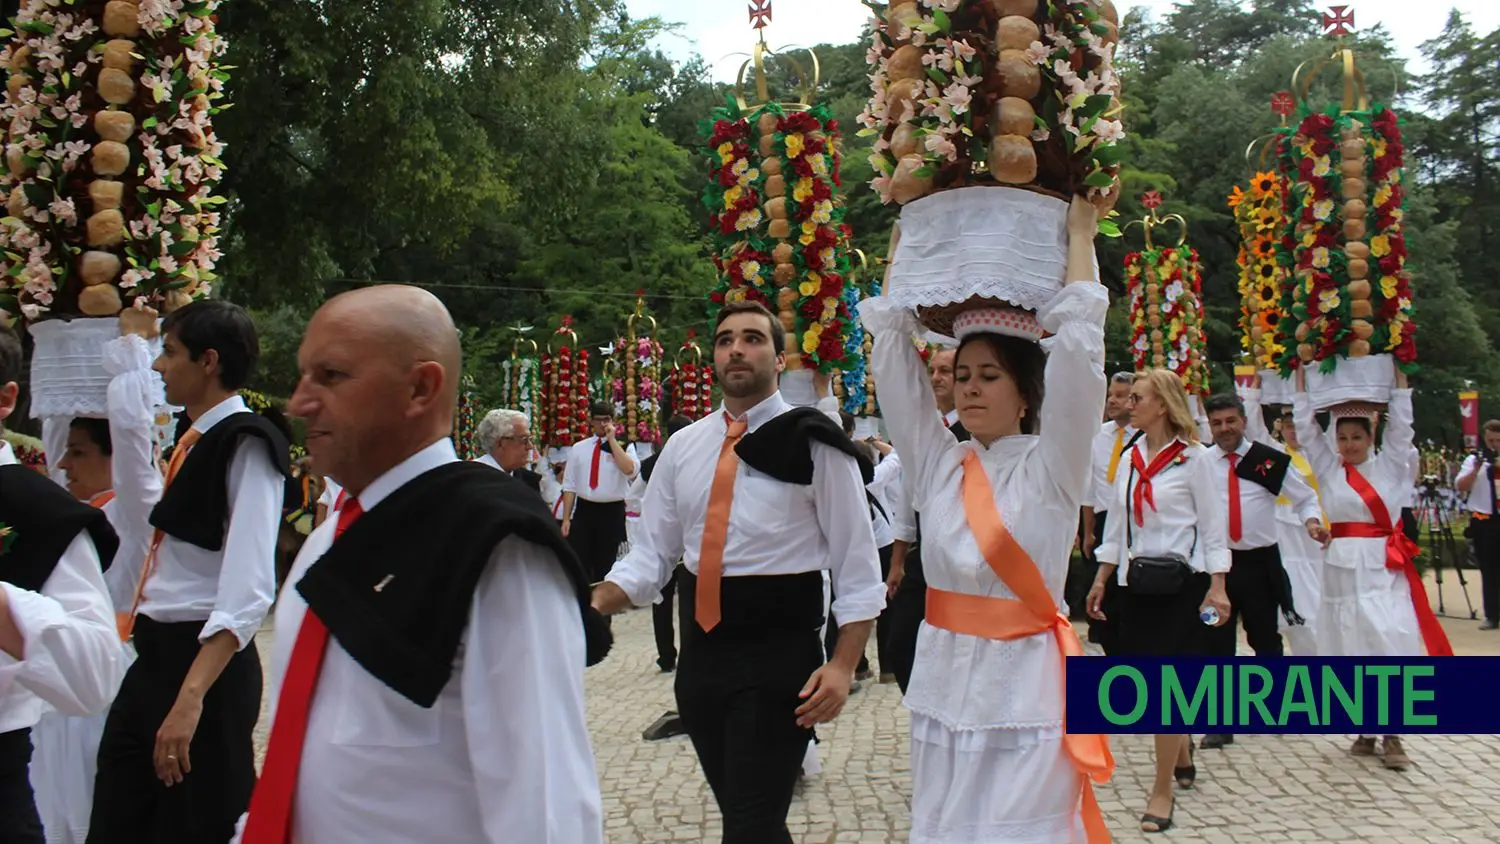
(1302, 557)
(63, 762)
(1367, 611)
(992, 786)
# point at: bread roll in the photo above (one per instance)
(1359, 348)
(100, 300)
(176, 299)
(114, 125)
(1305, 351)
(776, 208)
(1362, 329)
(1361, 308)
(1354, 209)
(771, 166)
(15, 205)
(1012, 159)
(1013, 116)
(1352, 149)
(906, 185)
(106, 194)
(1352, 168)
(1024, 8)
(106, 228)
(766, 125)
(16, 160)
(907, 91)
(775, 186)
(1354, 189)
(1359, 269)
(15, 83)
(1015, 32)
(20, 57)
(116, 86)
(905, 63)
(117, 54)
(905, 141)
(1354, 229)
(784, 274)
(1359, 289)
(900, 9)
(121, 19)
(1018, 76)
(1302, 331)
(782, 254)
(767, 145)
(1356, 249)
(111, 158)
(98, 267)
(779, 229)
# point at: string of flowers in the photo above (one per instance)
(91, 91)
(1263, 266)
(565, 395)
(691, 383)
(1348, 211)
(854, 375)
(735, 218)
(1164, 285)
(28, 451)
(465, 424)
(637, 391)
(521, 385)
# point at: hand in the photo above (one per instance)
(820, 383)
(139, 321)
(566, 526)
(609, 432)
(1083, 219)
(11, 641)
(1318, 532)
(825, 694)
(172, 740)
(893, 582)
(1217, 599)
(1400, 376)
(1094, 603)
(1089, 540)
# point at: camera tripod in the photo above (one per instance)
(1433, 513)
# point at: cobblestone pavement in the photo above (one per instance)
(1262, 789)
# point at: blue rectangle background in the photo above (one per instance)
(1449, 695)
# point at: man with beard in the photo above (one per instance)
(757, 500)
(1109, 444)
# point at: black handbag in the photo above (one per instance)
(1153, 575)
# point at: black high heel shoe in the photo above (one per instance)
(1187, 774)
(1161, 824)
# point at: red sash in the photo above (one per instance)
(1400, 553)
(1142, 493)
(102, 499)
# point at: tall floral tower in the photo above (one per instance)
(773, 200)
(521, 377)
(1165, 289)
(636, 386)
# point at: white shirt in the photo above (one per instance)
(1479, 498)
(1188, 518)
(132, 397)
(330, 496)
(774, 527)
(1101, 492)
(614, 485)
(967, 682)
(488, 460)
(887, 478)
(232, 589)
(1257, 504)
(503, 756)
(73, 660)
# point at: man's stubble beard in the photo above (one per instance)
(763, 383)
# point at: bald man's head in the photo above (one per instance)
(380, 369)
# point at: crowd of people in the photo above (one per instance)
(435, 627)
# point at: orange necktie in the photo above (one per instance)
(1235, 530)
(125, 621)
(716, 528)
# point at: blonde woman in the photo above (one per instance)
(1170, 551)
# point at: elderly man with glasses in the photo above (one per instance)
(505, 438)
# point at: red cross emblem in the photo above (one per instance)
(1282, 103)
(1339, 23)
(760, 13)
(1151, 199)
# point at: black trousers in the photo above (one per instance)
(903, 617)
(661, 625)
(737, 696)
(1485, 534)
(1106, 633)
(133, 806)
(19, 822)
(596, 531)
(1253, 585)
(831, 635)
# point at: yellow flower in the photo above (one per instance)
(820, 165)
(794, 145)
(735, 294)
(809, 227)
(732, 196)
(822, 212)
(751, 271)
(1323, 210)
(1309, 238)
(830, 308)
(1321, 166)
(1328, 300)
(726, 152)
(1320, 257)
(1382, 195)
(810, 338)
(748, 220)
(1388, 286)
(827, 256)
(811, 286)
(803, 189)
(1395, 340)
(1380, 245)
(1379, 147)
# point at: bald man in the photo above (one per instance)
(431, 639)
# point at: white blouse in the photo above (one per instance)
(1389, 470)
(1188, 518)
(967, 682)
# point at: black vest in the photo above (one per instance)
(782, 447)
(44, 520)
(649, 465)
(529, 478)
(195, 507)
(397, 587)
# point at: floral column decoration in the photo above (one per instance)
(637, 389)
(466, 423)
(1263, 268)
(692, 380)
(1165, 288)
(521, 378)
(111, 157)
(565, 391)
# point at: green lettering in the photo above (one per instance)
(1228, 699)
(1255, 698)
(1298, 697)
(1384, 673)
(1410, 695)
(1174, 698)
(1141, 695)
(1334, 687)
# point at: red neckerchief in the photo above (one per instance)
(1400, 552)
(1143, 495)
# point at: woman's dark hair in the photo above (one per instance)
(1359, 421)
(222, 326)
(97, 430)
(1026, 363)
(602, 410)
(846, 419)
(677, 423)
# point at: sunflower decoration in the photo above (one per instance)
(1259, 211)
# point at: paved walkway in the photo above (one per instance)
(1263, 789)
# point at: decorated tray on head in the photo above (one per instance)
(988, 117)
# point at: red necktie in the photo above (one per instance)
(270, 819)
(1235, 530)
(594, 467)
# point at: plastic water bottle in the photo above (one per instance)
(1209, 616)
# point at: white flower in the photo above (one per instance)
(31, 310)
(1040, 135)
(958, 98)
(939, 144)
(964, 51)
(1038, 53)
(1109, 131)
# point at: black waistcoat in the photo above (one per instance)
(397, 587)
(195, 507)
(782, 446)
(529, 478)
(45, 519)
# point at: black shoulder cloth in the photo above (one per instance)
(195, 508)
(1264, 466)
(397, 587)
(959, 430)
(782, 447)
(46, 520)
(648, 466)
(530, 479)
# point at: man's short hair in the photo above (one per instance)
(1224, 401)
(1122, 377)
(496, 426)
(222, 326)
(10, 355)
(677, 423)
(601, 410)
(1490, 427)
(747, 306)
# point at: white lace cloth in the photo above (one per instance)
(1368, 379)
(1005, 243)
(1273, 388)
(68, 377)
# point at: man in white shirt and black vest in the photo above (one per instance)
(1108, 449)
(431, 641)
(1252, 476)
(177, 759)
(58, 646)
(504, 439)
(757, 500)
(1476, 481)
(595, 485)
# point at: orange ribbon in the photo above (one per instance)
(1006, 619)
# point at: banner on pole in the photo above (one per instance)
(1468, 412)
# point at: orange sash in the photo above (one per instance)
(1006, 619)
